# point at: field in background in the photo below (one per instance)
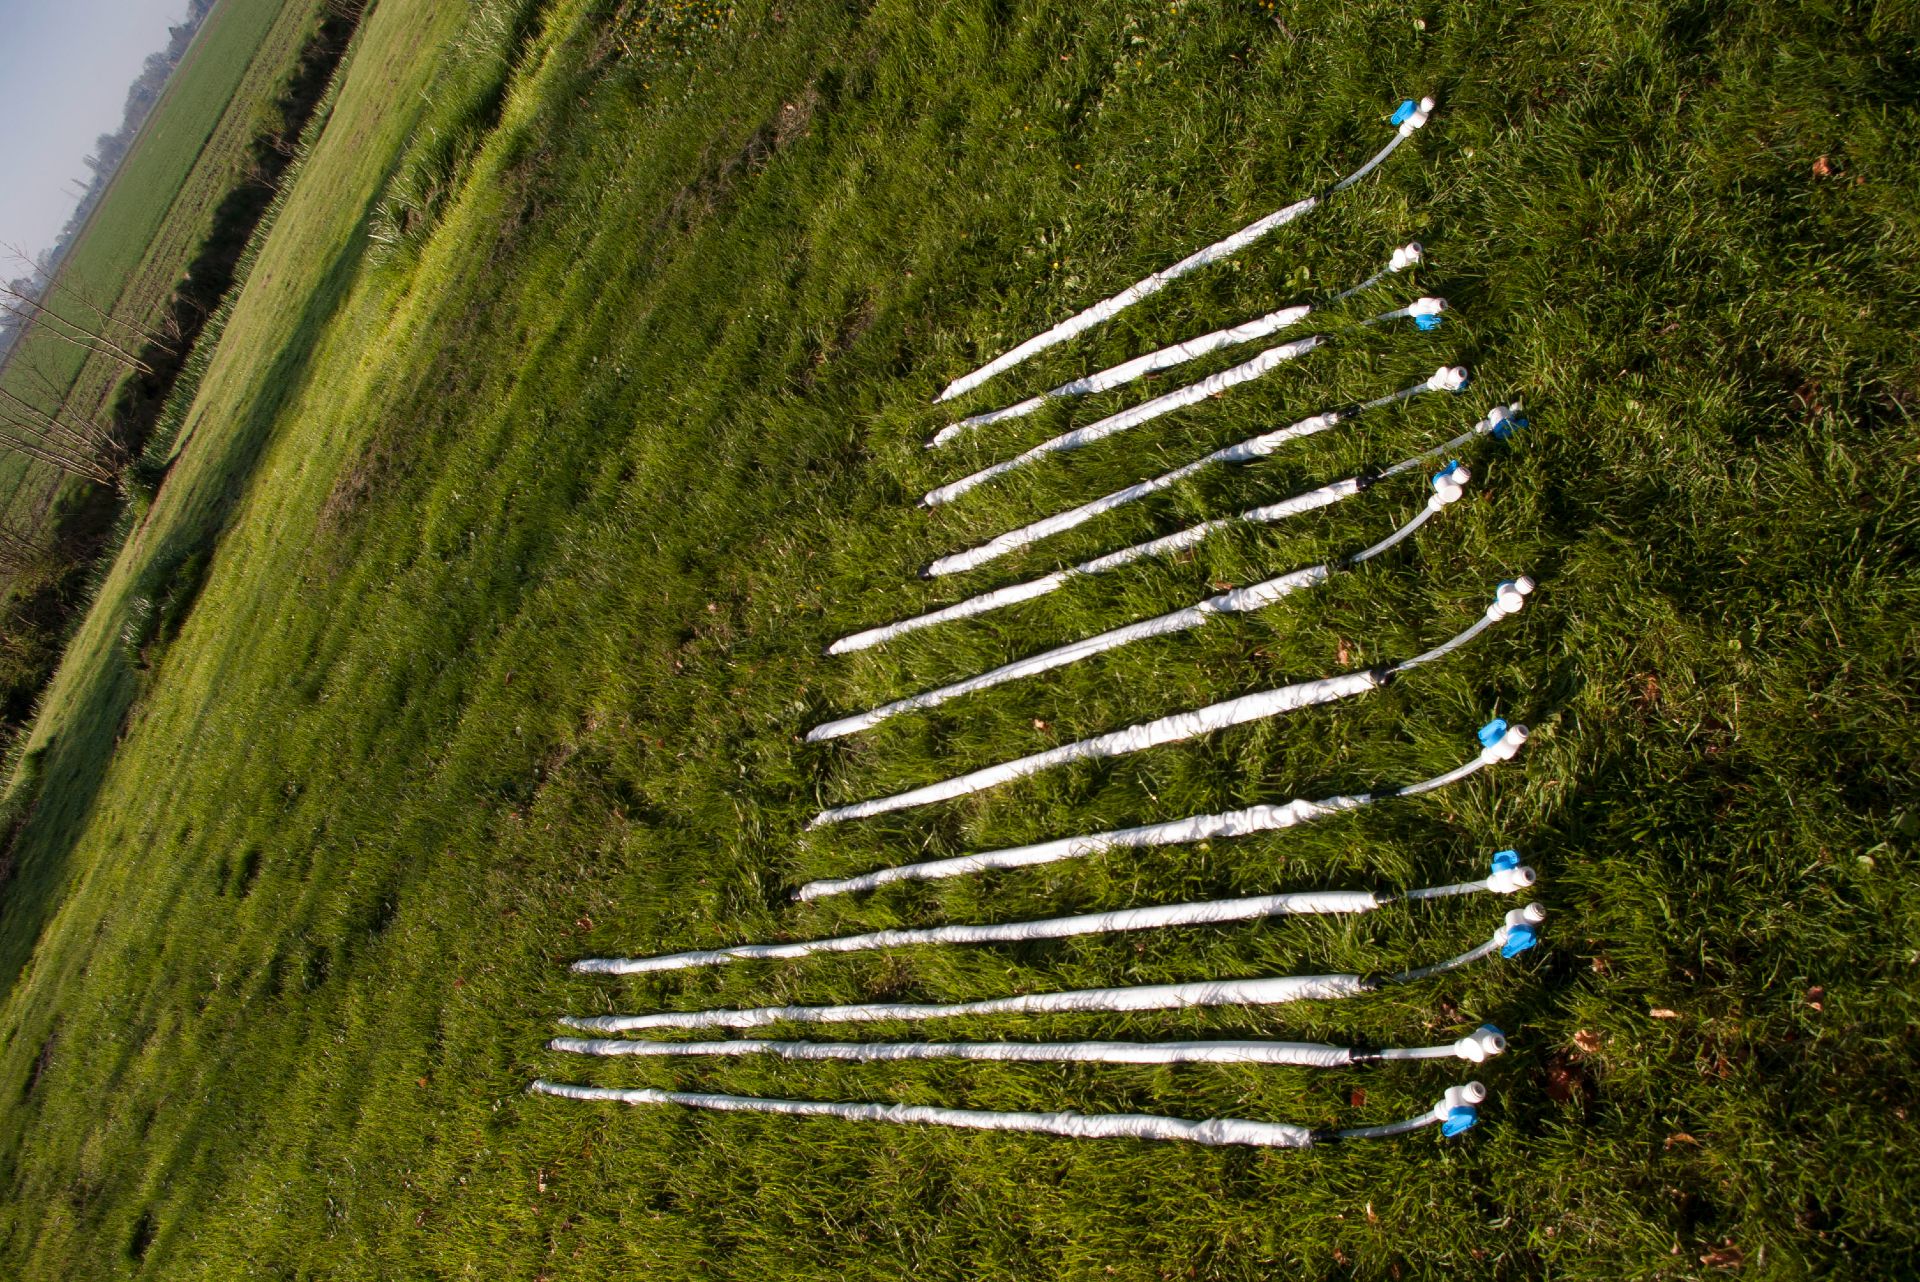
(577, 401)
(159, 207)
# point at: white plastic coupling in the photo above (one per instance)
(1531, 915)
(1464, 1096)
(1496, 416)
(1426, 307)
(1418, 118)
(1408, 255)
(1509, 598)
(1506, 747)
(1505, 881)
(1481, 1045)
(1448, 378)
(1448, 486)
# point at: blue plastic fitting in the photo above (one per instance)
(1403, 111)
(1491, 733)
(1427, 322)
(1460, 1118)
(1519, 939)
(1505, 428)
(1505, 859)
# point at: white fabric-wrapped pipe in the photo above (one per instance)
(1181, 725)
(1448, 486)
(1113, 424)
(1453, 1116)
(1495, 423)
(1272, 990)
(1499, 743)
(1475, 1048)
(1212, 912)
(1409, 117)
(1180, 353)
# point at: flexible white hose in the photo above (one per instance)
(1136, 1126)
(1168, 729)
(1233, 823)
(1124, 420)
(1476, 1048)
(1271, 990)
(1179, 540)
(1448, 487)
(1210, 912)
(1108, 308)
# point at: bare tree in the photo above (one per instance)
(29, 311)
(21, 548)
(58, 286)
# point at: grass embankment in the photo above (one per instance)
(161, 208)
(526, 532)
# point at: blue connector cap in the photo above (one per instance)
(1453, 465)
(1519, 939)
(1431, 322)
(1503, 860)
(1492, 732)
(1403, 111)
(1505, 428)
(1459, 1118)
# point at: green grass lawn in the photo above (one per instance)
(159, 206)
(576, 402)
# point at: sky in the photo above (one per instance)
(64, 70)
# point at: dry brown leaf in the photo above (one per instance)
(1726, 1256)
(1663, 1012)
(1587, 1042)
(1680, 1137)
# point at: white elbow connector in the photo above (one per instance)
(1465, 1096)
(1481, 1045)
(1448, 486)
(1509, 598)
(1418, 118)
(1506, 881)
(1408, 255)
(1500, 741)
(1448, 378)
(1426, 307)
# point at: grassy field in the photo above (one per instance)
(160, 205)
(577, 401)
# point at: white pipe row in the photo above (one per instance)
(1501, 881)
(1145, 288)
(1256, 447)
(1131, 417)
(1271, 990)
(1180, 353)
(1169, 729)
(1178, 541)
(1499, 742)
(1448, 486)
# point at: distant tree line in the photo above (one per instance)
(109, 150)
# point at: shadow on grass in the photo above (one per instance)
(77, 757)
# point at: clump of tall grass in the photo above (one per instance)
(479, 64)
